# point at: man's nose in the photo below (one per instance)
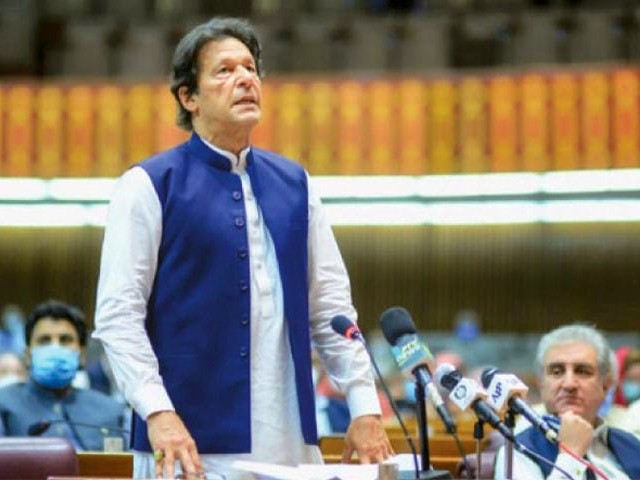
(244, 74)
(569, 380)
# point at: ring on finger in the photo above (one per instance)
(158, 455)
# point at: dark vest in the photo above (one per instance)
(624, 446)
(199, 310)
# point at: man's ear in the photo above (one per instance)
(186, 99)
(608, 383)
(83, 357)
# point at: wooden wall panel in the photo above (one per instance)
(519, 278)
(525, 278)
(41, 263)
(460, 123)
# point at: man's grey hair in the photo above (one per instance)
(581, 334)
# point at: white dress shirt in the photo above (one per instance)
(128, 266)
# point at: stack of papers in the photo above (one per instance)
(334, 471)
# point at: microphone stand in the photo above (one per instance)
(426, 472)
(509, 421)
(478, 434)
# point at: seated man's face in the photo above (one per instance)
(571, 380)
(48, 331)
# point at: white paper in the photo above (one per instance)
(333, 471)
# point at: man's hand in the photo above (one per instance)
(575, 432)
(172, 442)
(367, 437)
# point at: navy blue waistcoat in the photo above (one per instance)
(624, 446)
(198, 314)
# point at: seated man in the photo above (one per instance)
(47, 404)
(12, 369)
(574, 364)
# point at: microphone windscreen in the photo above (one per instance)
(487, 375)
(341, 324)
(443, 377)
(396, 322)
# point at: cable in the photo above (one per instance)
(586, 463)
(396, 413)
(533, 455)
(72, 427)
(463, 455)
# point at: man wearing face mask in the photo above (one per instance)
(630, 384)
(47, 404)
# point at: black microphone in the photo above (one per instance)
(466, 393)
(506, 389)
(411, 355)
(38, 428)
(346, 328)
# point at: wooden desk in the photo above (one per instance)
(105, 465)
(443, 451)
(439, 462)
(440, 445)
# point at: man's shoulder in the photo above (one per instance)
(268, 155)
(274, 162)
(164, 158)
(99, 399)
(12, 393)
(622, 435)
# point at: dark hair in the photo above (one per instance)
(184, 68)
(57, 310)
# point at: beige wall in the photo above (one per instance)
(518, 278)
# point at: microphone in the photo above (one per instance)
(412, 356)
(466, 393)
(38, 428)
(346, 328)
(506, 389)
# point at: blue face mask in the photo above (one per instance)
(53, 366)
(631, 390)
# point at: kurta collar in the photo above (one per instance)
(49, 394)
(219, 158)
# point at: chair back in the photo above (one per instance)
(34, 458)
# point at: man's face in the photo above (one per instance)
(229, 89)
(571, 380)
(49, 331)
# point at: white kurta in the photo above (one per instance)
(128, 265)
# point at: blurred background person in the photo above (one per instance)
(12, 330)
(12, 369)
(47, 404)
(630, 378)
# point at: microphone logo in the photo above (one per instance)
(460, 391)
(410, 353)
(501, 388)
(495, 396)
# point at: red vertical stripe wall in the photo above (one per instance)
(533, 121)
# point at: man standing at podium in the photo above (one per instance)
(218, 270)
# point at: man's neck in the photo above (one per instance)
(234, 141)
